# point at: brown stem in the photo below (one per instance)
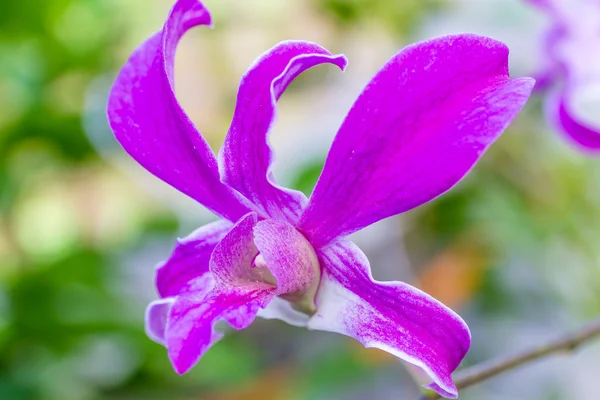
(487, 369)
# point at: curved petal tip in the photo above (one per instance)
(562, 116)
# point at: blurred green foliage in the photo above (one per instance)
(400, 17)
(49, 52)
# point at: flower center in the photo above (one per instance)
(288, 261)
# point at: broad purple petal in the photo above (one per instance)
(392, 316)
(418, 127)
(245, 158)
(190, 258)
(190, 328)
(152, 126)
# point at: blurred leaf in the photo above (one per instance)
(398, 16)
(338, 367)
(307, 177)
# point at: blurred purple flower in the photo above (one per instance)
(571, 69)
(415, 131)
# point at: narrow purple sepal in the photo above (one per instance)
(190, 258)
(245, 158)
(153, 128)
(392, 316)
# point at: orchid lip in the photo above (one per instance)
(302, 296)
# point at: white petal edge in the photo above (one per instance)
(283, 311)
(156, 316)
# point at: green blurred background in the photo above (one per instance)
(513, 248)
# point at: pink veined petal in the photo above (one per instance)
(418, 127)
(238, 293)
(231, 260)
(559, 112)
(152, 126)
(190, 258)
(392, 316)
(290, 264)
(289, 256)
(245, 158)
(190, 328)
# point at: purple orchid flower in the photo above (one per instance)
(571, 67)
(418, 127)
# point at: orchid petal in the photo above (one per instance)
(245, 158)
(190, 258)
(236, 296)
(190, 328)
(157, 313)
(152, 126)
(289, 256)
(418, 127)
(392, 316)
(560, 113)
(231, 260)
(572, 43)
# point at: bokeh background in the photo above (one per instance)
(513, 248)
